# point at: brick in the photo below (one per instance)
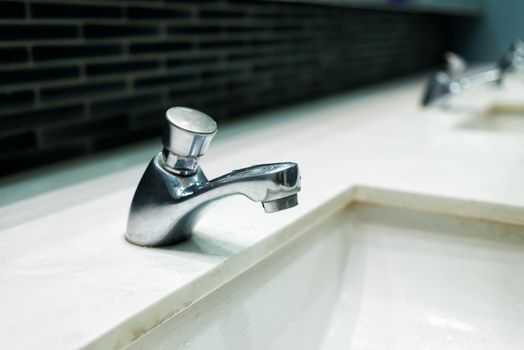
(247, 56)
(64, 52)
(12, 9)
(123, 104)
(62, 10)
(161, 46)
(85, 129)
(98, 69)
(156, 13)
(20, 98)
(17, 142)
(14, 32)
(101, 31)
(39, 117)
(222, 73)
(195, 29)
(150, 118)
(225, 43)
(272, 66)
(9, 55)
(241, 28)
(222, 14)
(163, 80)
(194, 92)
(33, 75)
(216, 2)
(84, 90)
(192, 61)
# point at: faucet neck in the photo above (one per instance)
(178, 165)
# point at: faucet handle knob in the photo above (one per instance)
(187, 136)
(455, 64)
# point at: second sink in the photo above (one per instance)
(502, 118)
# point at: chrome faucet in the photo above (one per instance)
(174, 190)
(455, 65)
(511, 60)
(453, 81)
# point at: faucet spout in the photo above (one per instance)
(263, 183)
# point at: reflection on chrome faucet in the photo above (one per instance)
(174, 189)
(453, 80)
(512, 60)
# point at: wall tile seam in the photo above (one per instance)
(90, 79)
(76, 101)
(120, 56)
(184, 37)
(93, 21)
(117, 3)
(220, 22)
(92, 61)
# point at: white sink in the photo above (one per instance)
(507, 118)
(368, 277)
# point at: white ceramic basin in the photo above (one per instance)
(368, 277)
(499, 118)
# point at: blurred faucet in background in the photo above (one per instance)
(453, 80)
(512, 60)
(455, 65)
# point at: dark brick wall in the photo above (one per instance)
(77, 77)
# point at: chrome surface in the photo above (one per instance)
(187, 136)
(511, 60)
(455, 64)
(454, 81)
(172, 193)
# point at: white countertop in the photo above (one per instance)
(68, 279)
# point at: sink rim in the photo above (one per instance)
(338, 219)
(183, 298)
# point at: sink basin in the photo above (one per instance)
(499, 118)
(368, 277)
